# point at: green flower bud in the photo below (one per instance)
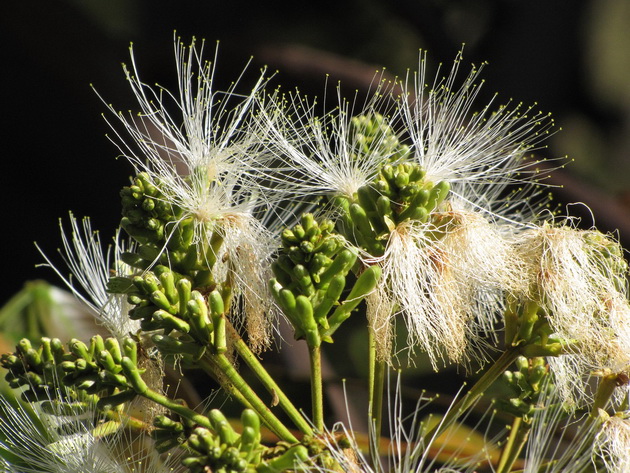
(184, 291)
(78, 348)
(288, 237)
(364, 284)
(167, 280)
(130, 349)
(33, 357)
(133, 375)
(169, 322)
(106, 361)
(249, 418)
(342, 263)
(437, 195)
(307, 320)
(303, 278)
(360, 219)
(112, 346)
(331, 297)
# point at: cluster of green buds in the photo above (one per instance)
(105, 371)
(221, 449)
(311, 274)
(400, 192)
(145, 211)
(218, 447)
(373, 134)
(527, 327)
(165, 301)
(526, 385)
(162, 235)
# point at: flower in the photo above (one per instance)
(91, 268)
(578, 277)
(52, 437)
(334, 154)
(612, 443)
(479, 153)
(444, 273)
(209, 168)
(448, 289)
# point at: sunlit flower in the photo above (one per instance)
(449, 289)
(479, 152)
(73, 440)
(91, 268)
(578, 278)
(441, 274)
(327, 155)
(612, 444)
(200, 148)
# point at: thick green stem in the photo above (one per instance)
(605, 390)
(268, 382)
(375, 405)
(317, 397)
(515, 443)
(226, 369)
(496, 370)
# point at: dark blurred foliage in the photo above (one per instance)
(569, 56)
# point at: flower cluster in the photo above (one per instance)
(247, 207)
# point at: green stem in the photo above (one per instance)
(206, 364)
(252, 400)
(180, 409)
(515, 443)
(268, 382)
(317, 398)
(605, 390)
(499, 366)
(375, 405)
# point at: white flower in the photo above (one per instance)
(448, 289)
(83, 441)
(478, 152)
(446, 279)
(205, 157)
(91, 268)
(325, 155)
(612, 444)
(458, 450)
(578, 279)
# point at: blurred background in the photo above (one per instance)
(572, 57)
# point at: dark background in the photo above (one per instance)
(569, 56)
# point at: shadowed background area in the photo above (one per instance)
(569, 56)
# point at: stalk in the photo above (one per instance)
(252, 399)
(317, 398)
(180, 409)
(519, 434)
(268, 382)
(376, 383)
